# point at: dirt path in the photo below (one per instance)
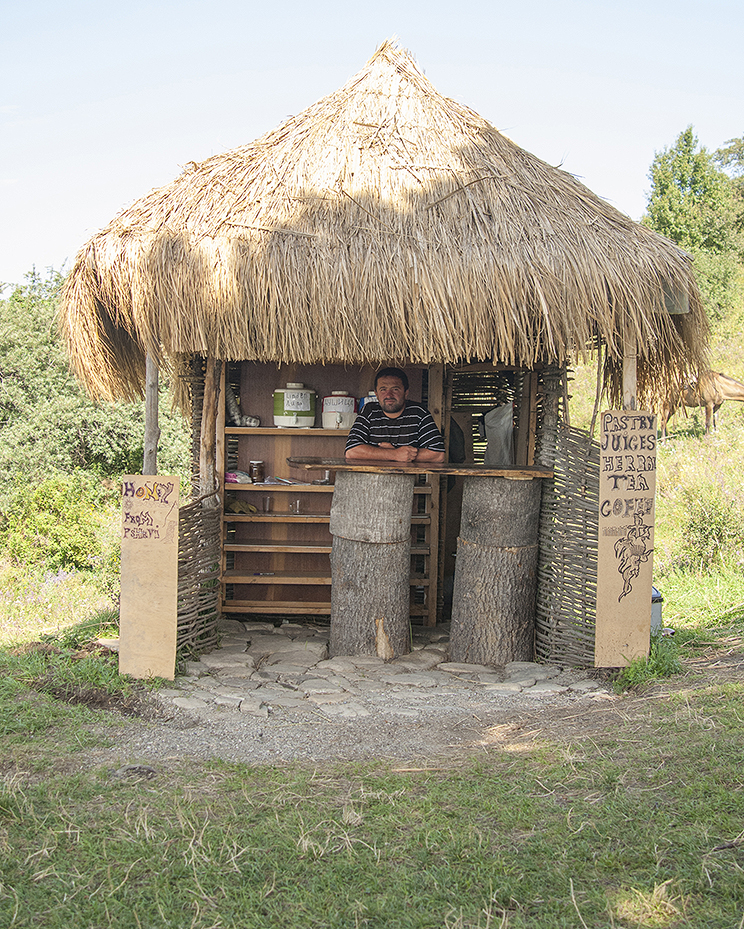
(465, 722)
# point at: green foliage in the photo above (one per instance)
(691, 200)
(713, 528)
(731, 158)
(719, 277)
(697, 205)
(46, 419)
(55, 522)
(662, 661)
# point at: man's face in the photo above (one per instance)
(391, 395)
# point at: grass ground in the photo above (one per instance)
(625, 815)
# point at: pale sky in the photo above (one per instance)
(102, 101)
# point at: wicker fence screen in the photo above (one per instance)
(567, 567)
(198, 576)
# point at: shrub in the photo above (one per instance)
(663, 661)
(713, 528)
(56, 522)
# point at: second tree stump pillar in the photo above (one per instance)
(371, 564)
(493, 604)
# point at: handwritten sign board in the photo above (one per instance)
(149, 576)
(627, 484)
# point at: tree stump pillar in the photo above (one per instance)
(493, 606)
(371, 564)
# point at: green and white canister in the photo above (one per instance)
(294, 406)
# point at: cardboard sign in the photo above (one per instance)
(627, 484)
(149, 576)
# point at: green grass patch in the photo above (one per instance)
(638, 827)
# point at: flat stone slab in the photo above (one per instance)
(460, 667)
(233, 702)
(421, 660)
(521, 681)
(366, 661)
(291, 668)
(545, 687)
(254, 708)
(220, 659)
(410, 680)
(503, 687)
(232, 672)
(336, 665)
(287, 702)
(326, 699)
(190, 703)
(310, 652)
(318, 685)
(233, 626)
(584, 686)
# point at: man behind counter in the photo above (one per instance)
(395, 428)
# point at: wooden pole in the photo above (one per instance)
(152, 429)
(208, 449)
(630, 351)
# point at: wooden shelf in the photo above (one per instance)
(422, 520)
(310, 607)
(277, 517)
(281, 488)
(268, 545)
(283, 430)
(322, 578)
(318, 578)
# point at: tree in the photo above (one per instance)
(47, 422)
(731, 158)
(691, 201)
(694, 203)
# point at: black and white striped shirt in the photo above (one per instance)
(415, 426)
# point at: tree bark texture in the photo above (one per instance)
(152, 428)
(371, 564)
(493, 608)
(370, 598)
(372, 507)
(208, 453)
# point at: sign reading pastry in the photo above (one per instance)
(149, 576)
(627, 484)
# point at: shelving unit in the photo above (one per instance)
(276, 561)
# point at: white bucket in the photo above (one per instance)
(338, 410)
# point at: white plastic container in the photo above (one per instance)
(294, 406)
(339, 410)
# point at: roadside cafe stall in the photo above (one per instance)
(387, 224)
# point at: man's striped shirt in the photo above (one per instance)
(415, 426)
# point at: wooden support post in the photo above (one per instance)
(152, 429)
(371, 564)
(630, 351)
(493, 605)
(208, 449)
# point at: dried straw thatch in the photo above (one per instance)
(383, 222)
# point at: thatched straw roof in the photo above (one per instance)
(385, 222)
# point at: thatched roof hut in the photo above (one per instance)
(383, 222)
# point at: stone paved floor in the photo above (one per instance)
(263, 670)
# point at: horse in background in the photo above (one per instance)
(709, 391)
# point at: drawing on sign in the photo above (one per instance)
(632, 551)
(146, 524)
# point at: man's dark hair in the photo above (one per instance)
(392, 372)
